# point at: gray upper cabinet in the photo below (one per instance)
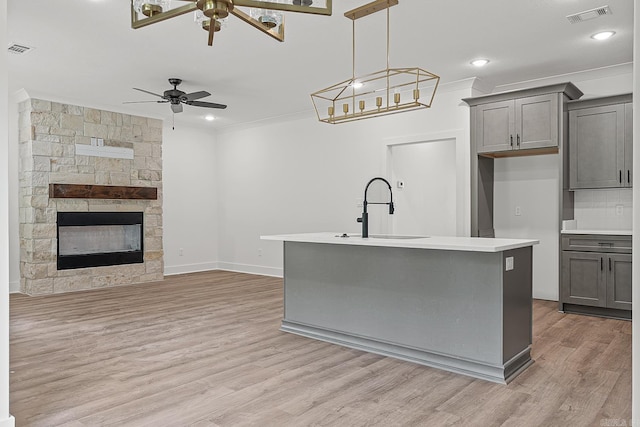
(517, 123)
(495, 126)
(537, 120)
(522, 123)
(600, 143)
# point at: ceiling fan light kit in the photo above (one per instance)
(389, 91)
(264, 15)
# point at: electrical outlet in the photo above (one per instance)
(508, 263)
(259, 251)
(181, 252)
(619, 210)
(518, 211)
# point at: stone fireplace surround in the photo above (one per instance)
(48, 134)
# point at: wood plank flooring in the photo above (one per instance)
(204, 350)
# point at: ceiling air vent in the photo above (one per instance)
(18, 49)
(589, 14)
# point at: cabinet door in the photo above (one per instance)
(536, 121)
(596, 147)
(494, 126)
(628, 144)
(583, 280)
(619, 281)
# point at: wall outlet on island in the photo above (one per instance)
(518, 211)
(259, 251)
(508, 263)
(181, 252)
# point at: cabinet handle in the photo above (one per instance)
(601, 264)
(518, 140)
(609, 264)
(628, 176)
(511, 140)
(620, 178)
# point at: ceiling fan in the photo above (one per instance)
(177, 97)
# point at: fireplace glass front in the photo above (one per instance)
(95, 239)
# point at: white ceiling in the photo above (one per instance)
(86, 52)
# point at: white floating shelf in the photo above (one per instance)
(104, 151)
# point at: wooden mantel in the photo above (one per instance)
(81, 191)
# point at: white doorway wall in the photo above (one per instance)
(424, 180)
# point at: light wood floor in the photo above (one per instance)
(204, 350)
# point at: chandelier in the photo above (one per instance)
(389, 91)
(265, 15)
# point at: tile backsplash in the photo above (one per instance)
(606, 209)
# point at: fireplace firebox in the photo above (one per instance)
(98, 239)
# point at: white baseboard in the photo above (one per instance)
(8, 422)
(189, 268)
(228, 266)
(14, 287)
(251, 269)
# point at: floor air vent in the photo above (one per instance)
(589, 14)
(18, 49)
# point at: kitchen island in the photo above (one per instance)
(460, 304)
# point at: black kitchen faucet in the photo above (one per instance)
(365, 216)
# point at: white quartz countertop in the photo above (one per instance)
(474, 244)
(605, 232)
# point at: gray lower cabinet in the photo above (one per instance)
(600, 142)
(583, 278)
(596, 278)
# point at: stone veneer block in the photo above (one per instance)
(48, 132)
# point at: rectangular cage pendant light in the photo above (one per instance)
(389, 91)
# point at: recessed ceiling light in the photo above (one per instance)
(603, 35)
(357, 85)
(479, 62)
(209, 118)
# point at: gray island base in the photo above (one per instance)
(465, 309)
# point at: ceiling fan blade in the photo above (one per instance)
(142, 102)
(150, 93)
(206, 104)
(176, 108)
(196, 95)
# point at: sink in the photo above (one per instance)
(391, 236)
(383, 236)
